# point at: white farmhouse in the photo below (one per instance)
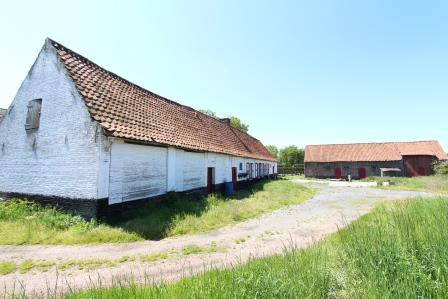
(85, 138)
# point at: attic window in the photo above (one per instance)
(33, 115)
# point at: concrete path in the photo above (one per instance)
(291, 227)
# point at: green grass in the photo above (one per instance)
(435, 183)
(23, 222)
(179, 216)
(397, 251)
(7, 267)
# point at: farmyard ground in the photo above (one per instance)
(170, 259)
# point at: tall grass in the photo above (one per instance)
(398, 251)
(23, 222)
(434, 183)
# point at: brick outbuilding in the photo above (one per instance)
(360, 160)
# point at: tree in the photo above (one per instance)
(273, 150)
(291, 155)
(236, 123)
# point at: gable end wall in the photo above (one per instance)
(63, 157)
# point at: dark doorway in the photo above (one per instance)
(337, 173)
(361, 173)
(234, 177)
(210, 180)
(417, 165)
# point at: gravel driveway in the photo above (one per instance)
(295, 226)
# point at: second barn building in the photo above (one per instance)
(360, 160)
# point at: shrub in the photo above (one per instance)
(441, 168)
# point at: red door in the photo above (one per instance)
(210, 185)
(337, 173)
(361, 173)
(234, 177)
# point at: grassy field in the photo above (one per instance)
(26, 223)
(397, 251)
(435, 183)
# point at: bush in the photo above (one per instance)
(441, 168)
(299, 169)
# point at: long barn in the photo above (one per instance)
(360, 160)
(87, 138)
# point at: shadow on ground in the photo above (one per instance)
(154, 220)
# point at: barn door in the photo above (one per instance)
(361, 173)
(337, 173)
(234, 177)
(210, 180)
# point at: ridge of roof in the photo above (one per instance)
(386, 142)
(79, 68)
(58, 44)
(373, 151)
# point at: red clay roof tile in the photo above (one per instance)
(126, 110)
(364, 152)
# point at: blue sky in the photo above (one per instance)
(298, 72)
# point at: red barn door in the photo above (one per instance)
(337, 173)
(361, 173)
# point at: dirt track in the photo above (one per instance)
(291, 227)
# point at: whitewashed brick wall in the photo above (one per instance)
(137, 171)
(62, 157)
(70, 157)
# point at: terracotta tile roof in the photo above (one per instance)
(388, 151)
(128, 111)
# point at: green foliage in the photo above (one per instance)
(238, 124)
(441, 168)
(295, 170)
(180, 215)
(234, 121)
(273, 150)
(23, 222)
(7, 267)
(291, 156)
(398, 251)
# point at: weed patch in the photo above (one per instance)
(23, 222)
(435, 183)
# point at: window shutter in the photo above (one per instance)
(33, 114)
